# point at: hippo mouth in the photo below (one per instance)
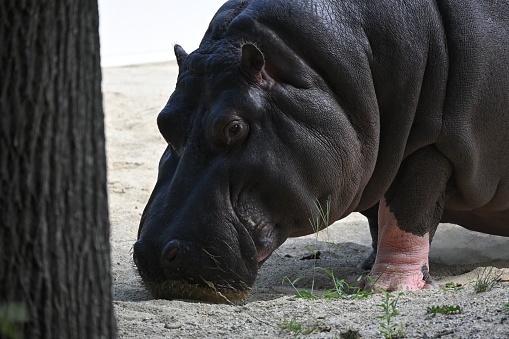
(265, 233)
(265, 245)
(210, 292)
(195, 286)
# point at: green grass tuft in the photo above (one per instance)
(390, 329)
(444, 309)
(450, 286)
(297, 327)
(300, 293)
(341, 289)
(487, 280)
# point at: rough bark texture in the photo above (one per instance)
(54, 232)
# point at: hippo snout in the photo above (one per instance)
(179, 268)
(177, 260)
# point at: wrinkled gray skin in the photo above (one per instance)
(286, 103)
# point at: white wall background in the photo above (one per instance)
(144, 31)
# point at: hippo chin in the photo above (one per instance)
(397, 109)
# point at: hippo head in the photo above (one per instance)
(254, 141)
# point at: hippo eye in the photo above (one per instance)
(234, 131)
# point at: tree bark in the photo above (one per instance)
(54, 231)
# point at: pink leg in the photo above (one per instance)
(402, 258)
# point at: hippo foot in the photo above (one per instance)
(401, 261)
(390, 278)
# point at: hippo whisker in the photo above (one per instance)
(213, 257)
(228, 245)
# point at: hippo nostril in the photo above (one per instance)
(170, 250)
(172, 254)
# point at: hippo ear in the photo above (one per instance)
(180, 54)
(252, 62)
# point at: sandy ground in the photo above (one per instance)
(133, 96)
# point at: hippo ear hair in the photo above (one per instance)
(252, 62)
(180, 54)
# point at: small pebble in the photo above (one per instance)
(172, 326)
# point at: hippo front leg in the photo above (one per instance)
(401, 261)
(407, 220)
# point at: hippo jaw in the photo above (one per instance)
(213, 293)
(216, 290)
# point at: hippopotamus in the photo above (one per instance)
(395, 109)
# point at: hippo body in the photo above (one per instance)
(397, 109)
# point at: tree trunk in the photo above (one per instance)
(54, 230)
